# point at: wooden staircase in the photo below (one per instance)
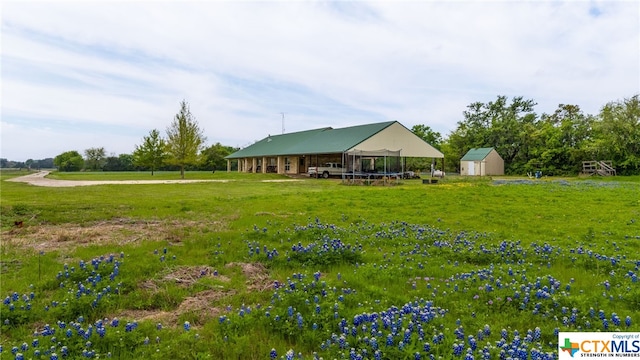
(602, 168)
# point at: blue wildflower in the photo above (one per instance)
(289, 355)
(615, 319)
(457, 349)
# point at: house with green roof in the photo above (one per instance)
(482, 162)
(356, 147)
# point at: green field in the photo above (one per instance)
(466, 267)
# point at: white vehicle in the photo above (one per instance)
(329, 169)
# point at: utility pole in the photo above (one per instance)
(282, 122)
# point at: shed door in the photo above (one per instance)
(471, 167)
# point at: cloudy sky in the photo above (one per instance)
(79, 74)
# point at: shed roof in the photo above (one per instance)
(318, 141)
(476, 154)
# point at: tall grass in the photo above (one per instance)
(466, 252)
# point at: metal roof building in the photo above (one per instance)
(293, 153)
(482, 162)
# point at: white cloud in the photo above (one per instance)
(120, 69)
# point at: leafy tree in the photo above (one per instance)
(559, 141)
(555, 143)
(151, 153)
(184, 139)
(126, 162)
(213, 157)
(122, 162)
(425, 132)
(617, 135)
(451, 157)
(112, 163)
(69, 161)
(16, 164)
(95, 158)
(499, 124)
(45, 163)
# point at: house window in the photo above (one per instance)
(287, 164)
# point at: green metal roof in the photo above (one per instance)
(318, 141)
(275, 144)
(476, 154)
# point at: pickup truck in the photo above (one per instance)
(329, 169)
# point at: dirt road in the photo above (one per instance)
(39, 179)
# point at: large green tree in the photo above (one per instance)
(126, 162)
(95, 158)
(184, 139)
(151, 154)
(559, 141)
(122, 162)
(69, 161)
(500, 124)
(617, 135)
(427, 134)
(213, 156)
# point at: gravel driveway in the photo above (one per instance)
(39, 179)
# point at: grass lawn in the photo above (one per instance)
(241, 268)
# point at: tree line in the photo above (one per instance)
(182, 149)
(555, 143)
(29, 164)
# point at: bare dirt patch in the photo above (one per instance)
(188, 275)
(200, 303)
(184, 276)
(257, 276)
(112, 232)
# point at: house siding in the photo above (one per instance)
(494, 165)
